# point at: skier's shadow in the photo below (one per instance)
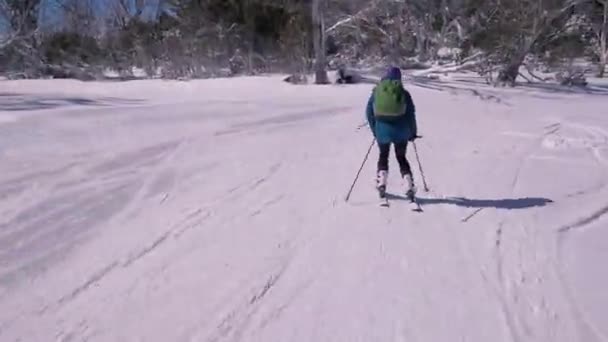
(508, 203)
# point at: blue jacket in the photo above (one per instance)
(402, 130)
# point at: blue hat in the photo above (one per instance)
(393, 73)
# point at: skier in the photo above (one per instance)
(391, 116)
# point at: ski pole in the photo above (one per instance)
(426, 188)
(360, 168)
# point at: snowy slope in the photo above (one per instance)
(214, 211)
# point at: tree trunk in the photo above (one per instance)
(420, 43)
(319, 43)
(509, 72)
(603, 57)
(603, 42)
(250, 34)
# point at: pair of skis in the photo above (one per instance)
(410, 197)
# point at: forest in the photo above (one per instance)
(184, 39)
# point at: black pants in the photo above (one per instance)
(400, 149)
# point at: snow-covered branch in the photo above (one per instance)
(6, 41)
(453, 67)
(349, 19)
(340, 23)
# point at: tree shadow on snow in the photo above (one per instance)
(22, 102)
(486, 92)
(590, 89)
(474, 88)
(507, 203)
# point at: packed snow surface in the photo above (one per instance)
(215, 210)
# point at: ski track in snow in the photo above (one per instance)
(172, 213)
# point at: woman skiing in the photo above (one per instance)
(391, 116)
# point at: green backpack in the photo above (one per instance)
(389, 100)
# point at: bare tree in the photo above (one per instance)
(161, 6)
(79, 16)
(517, 27)
(123, 11)
(21, 17)
(6, 16)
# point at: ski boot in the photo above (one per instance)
(381, 180)
(410, 193)
(410, 187)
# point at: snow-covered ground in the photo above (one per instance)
(214, 210)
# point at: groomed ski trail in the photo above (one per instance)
(184, 215)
